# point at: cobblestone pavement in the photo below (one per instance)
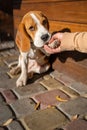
(51, 101)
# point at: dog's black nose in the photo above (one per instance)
(45, 37)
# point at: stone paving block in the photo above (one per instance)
(48, 98)
(2, 128)
(55, 73)
(3, 68)
(76, 125)
(64, 79)
(5, 114)
(72, 93)
(50, 83)
(28, 90)
(15, 125)
(2, 100)
(44, 120)
(9, 96)
(74, 107)
(14, 51)
(3, 54)
(6, 44)
(3, 77)
(23, 107)
(10, 60)
(8, 83)
(47, 119)
(80, 88)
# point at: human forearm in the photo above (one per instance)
(74, 41)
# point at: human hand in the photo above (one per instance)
(58, 37)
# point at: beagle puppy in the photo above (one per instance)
(31, 36)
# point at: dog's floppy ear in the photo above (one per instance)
(22, 38)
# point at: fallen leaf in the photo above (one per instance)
(50, 106)
(8, 122)
(75, 117)
(60, 99)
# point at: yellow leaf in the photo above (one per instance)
(8, 122)
(75, 117)
(50, 106)
(60, 99)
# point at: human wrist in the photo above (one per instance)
(67, 42)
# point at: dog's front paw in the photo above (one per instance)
(21, 82)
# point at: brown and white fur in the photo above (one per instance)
(34, 25)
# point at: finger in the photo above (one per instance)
(52, 51)
(47, 49)
(57, 50)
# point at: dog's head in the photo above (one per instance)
(34, 25)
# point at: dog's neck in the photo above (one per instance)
(35, 49)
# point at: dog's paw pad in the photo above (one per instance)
(54, 44)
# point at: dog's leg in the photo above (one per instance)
(44, 68)
(17, 69)
(33, 66)
(41, 69)
(23, 77)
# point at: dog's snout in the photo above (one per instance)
(45, 37)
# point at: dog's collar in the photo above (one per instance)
(39, 55)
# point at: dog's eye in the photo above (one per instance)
(44, 22)
(31, 28)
